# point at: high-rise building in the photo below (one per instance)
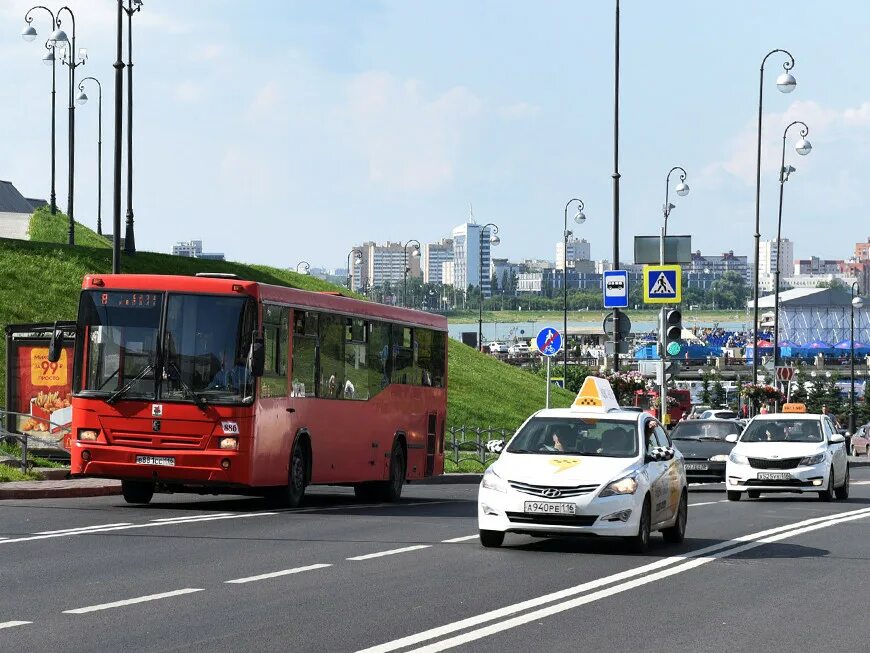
(769, 259)
(193, 249)
(470, 249)
(713, 267)
(579, 249)
(862, 251)
(382, 263)
(433, 255)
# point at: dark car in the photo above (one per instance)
(702, 443)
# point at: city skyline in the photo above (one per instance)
(360, 121)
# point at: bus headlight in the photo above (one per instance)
(88, 435)
(228, 443)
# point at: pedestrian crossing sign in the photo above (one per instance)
(662, 284)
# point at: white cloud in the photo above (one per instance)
(208, 52)
(410, 141)
(519, 111)
(265, 102)
(187, 92)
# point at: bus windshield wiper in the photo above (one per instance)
(188, 391)
(120, 392)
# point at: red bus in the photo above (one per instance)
(213, 384)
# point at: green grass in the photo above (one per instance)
(41, 283)
(12, 449)
(48, 228)
(8, 474)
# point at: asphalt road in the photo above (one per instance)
(194, 573)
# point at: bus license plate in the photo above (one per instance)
(163, 461)
(773, 476)
(543, 507)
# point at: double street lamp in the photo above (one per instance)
(786, 84)
(857, 302)
(357, 259)
(493, 240)
(81, 98)
(579, 218)
(802, 147)
(305, 267)
(406, 268)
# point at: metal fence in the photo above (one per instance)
(24, 439)
(466, 446)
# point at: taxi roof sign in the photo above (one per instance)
(794, 408)
(595, 395)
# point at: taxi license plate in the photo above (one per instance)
(773, 476)
(163, 461)
(547, 508)
(696, 467)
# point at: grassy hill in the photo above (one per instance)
(41, 282)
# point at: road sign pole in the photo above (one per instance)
(548, 382)
(663, 388)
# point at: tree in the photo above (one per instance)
(729, 291)
(706, 397)
(718, 394)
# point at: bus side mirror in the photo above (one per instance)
(258, 356)
(55, 345)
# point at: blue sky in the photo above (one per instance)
(282, 130)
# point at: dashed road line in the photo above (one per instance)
(139, 599)
(379, 554)
(193, 517)
(81, 529)
(707, 503)
(276, 574)
(464, 538)
(13, 624)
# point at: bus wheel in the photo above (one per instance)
(295, 490)
(137, 491)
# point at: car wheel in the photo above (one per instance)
(677, 533)
(639, 543)
(753, 494)
(842, 492)
(828, 494)
(137, 492)
(733, 495)
(491, 539)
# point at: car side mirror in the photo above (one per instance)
(731, 437)
(258, 356)
(837, 438)
(494, 446)
(55, 345)
(660, 454)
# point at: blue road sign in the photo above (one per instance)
(662, 284)
(615, 289)
(549, 341)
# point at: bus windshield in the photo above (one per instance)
(199, 353)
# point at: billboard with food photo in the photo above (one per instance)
(38, 390)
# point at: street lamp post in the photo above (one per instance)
(129, 239)
(493, 240)
(357, 259)
(579, 218)
(29, 34)
(81, 99)
(786, 84)
(682, 189)
(857, 302)
(72, 59)
(406, 268)
(803, 148)
(305, 266)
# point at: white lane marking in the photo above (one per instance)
(106, 529)
(859, 482)
(707, 503)
(358, 506)
(368, 556)
(12, 624)
(140, 599)
(276, 574)
(579, 589)
(461, 539)
(193, 517)
(550, 610)
(81, 529)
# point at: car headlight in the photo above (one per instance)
(719, 458)
(738, 459)
(624, 485)
(492, 481)
(813, 460)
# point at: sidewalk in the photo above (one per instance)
(76, 487)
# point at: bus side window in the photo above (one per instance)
(356, 384)
(379, 358)
(424, 341)
(304, 368)
(275, 327)
(439, 356)
(331, 383)
(403, 355)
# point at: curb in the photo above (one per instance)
(60, 492)
(451, 479)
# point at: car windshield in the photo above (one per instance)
(702, 430)
(577, 436)
(200, 354)
(782, 430)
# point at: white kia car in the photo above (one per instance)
(788, 452)
(586, 470)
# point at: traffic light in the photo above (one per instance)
(672, 331)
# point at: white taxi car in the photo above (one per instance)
(591, 469)
(788, 452)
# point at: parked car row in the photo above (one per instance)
(516, 349)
